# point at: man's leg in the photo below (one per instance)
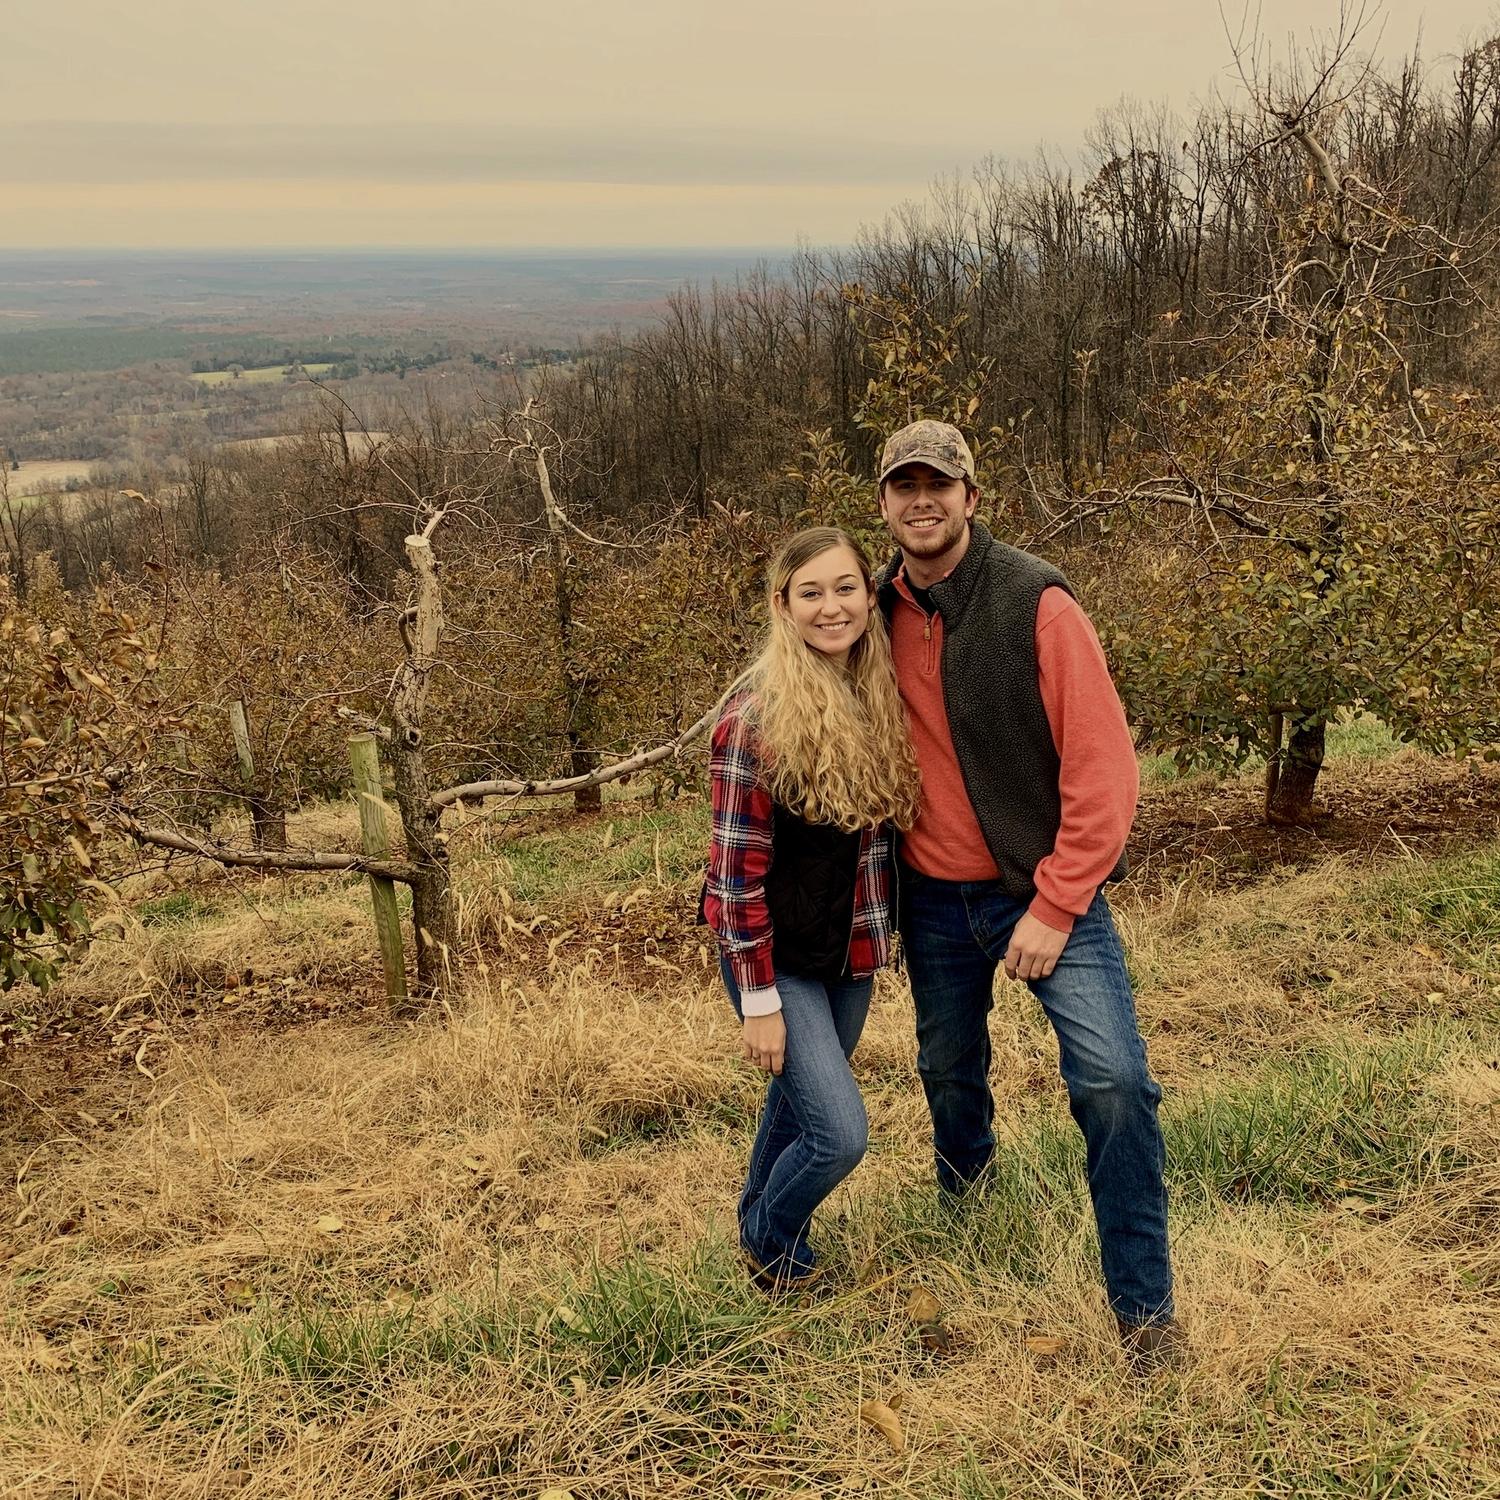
(952, 983)
(1114, 1099)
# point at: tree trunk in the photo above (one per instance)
(267, 824)
(427, 851)
(578, 691)
(1292, 800)
(586, 798)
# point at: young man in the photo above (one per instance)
(1029, 784)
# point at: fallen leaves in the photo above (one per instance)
(882, 1417)
(1045, 1347)
(927, 1313)
(923, 1307)
(43, 1356)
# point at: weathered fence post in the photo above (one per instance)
(239, 727)
(432, 916)
(364, 760)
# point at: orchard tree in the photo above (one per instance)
(1305, 531)
(77, 716)
(919, 371)
(1233, 610)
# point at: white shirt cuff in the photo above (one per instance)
(764, 1002)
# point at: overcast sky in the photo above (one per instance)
(575, 122)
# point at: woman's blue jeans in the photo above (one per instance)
(813, 1129)
(955, 934)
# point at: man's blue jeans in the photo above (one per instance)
(813, 1129)
(955, 934)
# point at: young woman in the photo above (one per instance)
(811, 765)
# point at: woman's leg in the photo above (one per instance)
(814, 1115)
(778, 1129)
(778, 1126)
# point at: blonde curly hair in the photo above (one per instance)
(833, 735)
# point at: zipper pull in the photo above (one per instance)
(927, 627)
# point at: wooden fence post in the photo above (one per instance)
(364, 760)
(239, 727)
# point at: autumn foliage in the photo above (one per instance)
(77, 701)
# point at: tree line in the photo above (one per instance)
(1236, 377)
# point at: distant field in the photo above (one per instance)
(45, 475)
(262, 375)
(359, 442)
(50, 476)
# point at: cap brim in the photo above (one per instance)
(932, 460)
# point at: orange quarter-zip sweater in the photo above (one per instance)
(1099, 779)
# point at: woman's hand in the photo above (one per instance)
(765, 1041)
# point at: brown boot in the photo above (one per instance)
(778, 1283)
(1150, 1347)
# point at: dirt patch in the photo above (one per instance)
(1406, 805)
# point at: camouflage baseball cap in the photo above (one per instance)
(928, 442)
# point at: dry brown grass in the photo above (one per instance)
(313, 931)
(1227, 978)
(481, 1165)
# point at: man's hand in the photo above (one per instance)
(765, 1041)
(1034, 949)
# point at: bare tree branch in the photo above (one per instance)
(262, 859)
(638, 762)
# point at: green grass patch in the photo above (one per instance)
(176, 909)
(1346, 1122)
(1349, 1121)
(623, 847)
(334, 1358)
(627, 1320)
(1453, 902)
(260, 375)
(615, 1323)
(1366, 1450)
(1362, 737)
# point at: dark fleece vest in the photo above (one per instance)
(993, 697)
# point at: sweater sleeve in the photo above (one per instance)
(1100, 778)
(739, 856)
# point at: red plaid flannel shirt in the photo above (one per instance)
(740, 854)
